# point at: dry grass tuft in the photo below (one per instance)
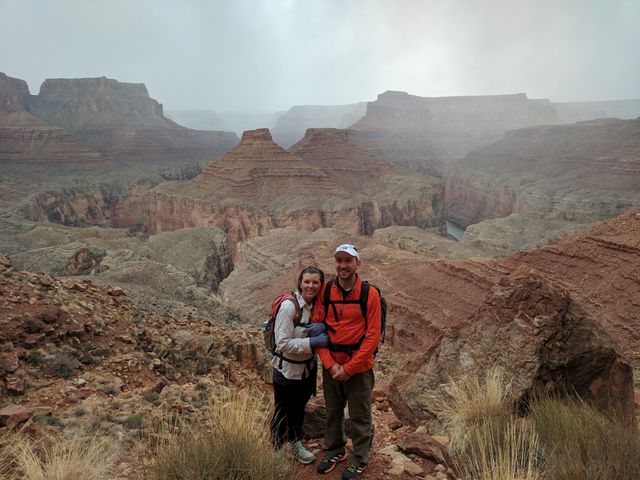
(62, 458)
(469, 401)
(504, 450)
(232, 442)
(488, 441)
(583, 443)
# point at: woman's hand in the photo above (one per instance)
(321, 340)
(315, 329)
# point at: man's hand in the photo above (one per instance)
(340, 375)
(334, 369)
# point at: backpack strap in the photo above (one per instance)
(364, 298)
(297, 317)
(326, 300)
(365, 287)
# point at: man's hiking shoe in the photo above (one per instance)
(302, 454)
(352, 471)
(328, 464)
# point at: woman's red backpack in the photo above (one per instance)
(268, 326)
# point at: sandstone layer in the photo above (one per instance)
(31, 147)
(426, 133)
(84, 132)
(121, 120)
(259, 186)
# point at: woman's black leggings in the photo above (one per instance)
(290, 400)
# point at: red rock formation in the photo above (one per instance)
(600, 268)
(427, 133)
(537, 334)
(258, 186)
(260, 170)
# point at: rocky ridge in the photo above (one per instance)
(537, 335)
(77, 356)
(259, 186)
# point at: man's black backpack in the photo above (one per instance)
(364, 297)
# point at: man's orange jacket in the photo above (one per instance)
(349, 328)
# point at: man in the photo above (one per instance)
(347, 361)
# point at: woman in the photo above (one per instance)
(294, 364)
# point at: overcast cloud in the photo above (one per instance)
(266, 55)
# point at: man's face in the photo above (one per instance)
(346, 265)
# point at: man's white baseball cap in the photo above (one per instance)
(347, 248)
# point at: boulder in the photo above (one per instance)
(534, 331)
(83, 261)
(12, 415)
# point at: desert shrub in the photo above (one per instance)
(62, 458)
(48, 419)
(109, 389)
(152, 397)
(80, 412)
(231, 442)
(35, 358)
(62, 366)
(583, 443)
(5, 457)
(134, 421)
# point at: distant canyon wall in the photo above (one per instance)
(425, 133)
(88, 127)
(581, 172)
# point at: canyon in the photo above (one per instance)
(130, 244)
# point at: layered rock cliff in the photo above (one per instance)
(79, 127)
(426, 133)
(426, 295)
(259, 186)
(29, 146)
(541, 339)
(572, 174)
(121, 120)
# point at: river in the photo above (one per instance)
(454, 230)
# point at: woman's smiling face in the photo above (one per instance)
(310, 286)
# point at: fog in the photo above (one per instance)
(267, 55)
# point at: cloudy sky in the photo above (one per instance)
(266, 55)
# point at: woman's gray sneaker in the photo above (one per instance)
(302, 454)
